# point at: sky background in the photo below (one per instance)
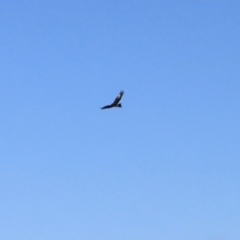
(165, 166)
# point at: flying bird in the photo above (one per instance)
(116, 101)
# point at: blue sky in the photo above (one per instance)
(165, 166)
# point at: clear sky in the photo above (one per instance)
(165, 166)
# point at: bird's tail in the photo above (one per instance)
(119, 105)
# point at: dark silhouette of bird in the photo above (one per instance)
(116, 101)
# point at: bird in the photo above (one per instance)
(115, 102)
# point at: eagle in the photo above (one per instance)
(116, 101)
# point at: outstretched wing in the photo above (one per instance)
(107, 106)
(118, 98)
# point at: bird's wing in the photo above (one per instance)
(118, 98)
(107, 106)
